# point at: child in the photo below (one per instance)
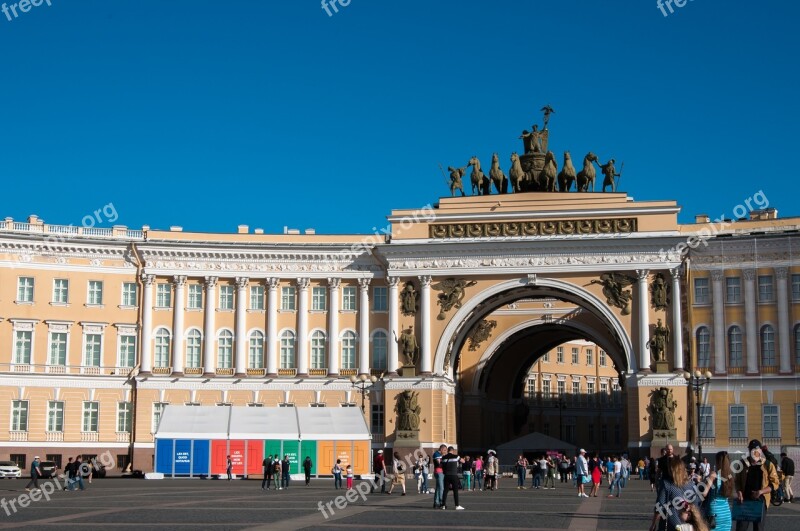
(693, 518)
(349, 472)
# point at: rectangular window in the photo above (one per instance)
(288, 298)
(765, 293)
(19, 415)
(589, 357)
(590, 391)
(701, 291)
(256, 297)
(55, 416)
(603, 361)
(193, 341)
(195, 297)
(561, 388)
(318, 298)
(22, 346)
(19, 459)
(576, 391)
(733, 290)
(124, 411)
(57, 350)
(560, 355)
(127, 351)
(163, 295)
(738, 422)
(92, 349)
(377, 418)
(603, 392)
(772, 426)
(129, 296)
(531, 388)
(796, 287)
(380, 299)
(349, 298)
(61, 291)
(158, 410)
(546, 357)
(56, 458)
(546, 389)
(25, 289)
(797, 420)
(575, 353)
(706, 422)
(91, 414)
(226, 297)
(95, 295)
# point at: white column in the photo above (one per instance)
(302, 326)
(333, 326)
(177, 325)
(392, 362)
(425, 365)
(643, 306)
(146, 362)
(209, 333)
(751, 320)
(272, 327)
(677, 325)
(363, 326)
(241, 327)
(718, 304)
(782, 277)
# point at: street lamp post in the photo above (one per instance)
(363, 383)
(696, 382)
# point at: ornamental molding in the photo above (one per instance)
(533, 228)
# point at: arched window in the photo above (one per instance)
(318, 350)
(163, 342)
(193, 348)
(379, 350)
(225, 350)
(256, 358)
(348, 350)
(735, 346)
(287, 350)
(703, 347)
(767, 346)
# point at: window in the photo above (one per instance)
(256, 297)
(349, 350)
(738, 422)
(735, 346)
(91, 414)
(589, 357)
(560, 387)
(701, 293)
(225, 350)
(379, 350)
(380, 299)
(531, 388)
(575, 356)
(576, 389)
(19, 415)
(193, 340)
(733, 290)
(703, 347)
(288, 298)
(603, 392)
(377, 418)
(256, 358)
(772, 427)
(318, 298)
(546, 389)
(349, 298)
(287, 349)
(22, 346)
(92, 349)
(767, 346)
(591, 433)
(61, 291)
(765, 288)
(124, 411)
(158, 410)
(226, 297)
(590, 391)
(797, 346)
(56, 458)
(123, 460)
(129, 294)
(163, 295)
(127, 351)
(546, 357)
(797, 420)
(796, 287)
(55, 416)
(560, 355)
(616, 434)
(195, 297)
(163, 343)
(95, 293)
(318, 350)
(706, 422)
(25, 289)
(316, 404)
(57, 349)
(19, 459)
(603, 361)
(604, 433)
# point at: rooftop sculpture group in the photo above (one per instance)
(536, 170)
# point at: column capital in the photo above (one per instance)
(781, 273)
(148, 280)
(717, 275)
(334, 283)
(364, 283)
(241, 282)
(424, 280)
(642, 274)
(272, 282)
(179, 280)
(749, 274)
(211, 282)
(303, 283)
(393, 281)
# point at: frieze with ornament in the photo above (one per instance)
(533, 228)
(531, 261)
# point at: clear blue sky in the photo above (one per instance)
(270, 113)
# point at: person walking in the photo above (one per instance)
(596, 471)
(551, 474)
(581, 471)
(276, 469)
(450, 466)
(337, 474)
(398, 473)
(267, 464)
(563, 468)
(522, 467)
(379, 467)
(755, 484)
(349, 473)
(492, 468)
(286, 468)
(307, 466)
(541, 470)
(716, 506)
(36, 473)
(787, 466)
(438, 476)
(423, 464)
(69, 472)
(617, 482)
(228, 468)
(467, 467)
(477, 466)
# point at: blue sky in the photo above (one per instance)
(213, 114)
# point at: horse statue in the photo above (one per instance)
(498, 177)
(516, 174)
(567, 175)
(547, 178)
(478, 178)
(587, 174)
(455, 180)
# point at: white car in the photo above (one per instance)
(9, 469)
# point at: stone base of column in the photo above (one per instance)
(145, 373)
(209, 374)
(271, 375)
(426, 373)
(240, 375)
(786, 372)
(302, 375)
(392, 374)
(179, 374)
(662, 367)
(333, 375)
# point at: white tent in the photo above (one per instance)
(329, 423)
(193, 422)
(263, 422)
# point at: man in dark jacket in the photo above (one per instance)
(307, 466)
(787, 467)
(267, 464)
(286, 466)
(450, 462)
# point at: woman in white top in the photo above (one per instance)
(399, 470)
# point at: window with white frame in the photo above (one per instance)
(60, 291)
(91, 415)
(576, 389)
(560, 355)
(163, 340)
(195, 300)
(95, 295)
(19, 415)
(702, 294)
(194, 340)
(256, 353)
(288, 298)
(256, 297)
(765, 293)
(158, 410)
(771, 421)
(707, 422)
(349, 298)
(603, 391)
(589, 357)
(124, 416)
(380, 301)
(163, 295)
(25, 289)
(378, 418)
(531, 388)
(796, 287)
(733, 290)
(546, 357)
(318, 350)
(226, 297)
(127, 350)
(318, 298)
(738, 422)
(561, 388)
(129, 294)
(734, 346)
(767, 346)
(92, 349)
(603, 361)
(703, 347)
(379, 350)
(349, 350)
(287, 350)
(55, 416)
(546, 391)
(57, 348)
(575, 352)
(22, 346)
(225, 350)
(590, 391)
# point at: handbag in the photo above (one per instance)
(586, 479)
(748, 511)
